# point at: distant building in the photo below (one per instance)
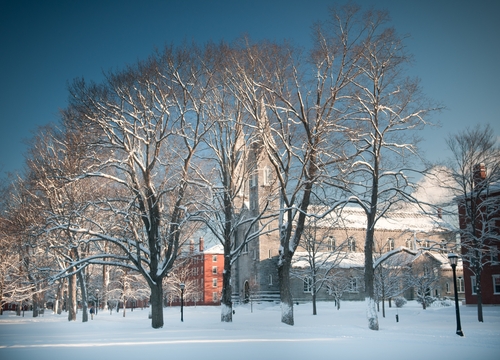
(255, 272)
(201, 272)
(487, 223)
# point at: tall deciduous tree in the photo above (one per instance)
(389, 106)
(229, 143)
(300, 108)
(321, 257)
(148, 119)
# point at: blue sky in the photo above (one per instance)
(46, 44)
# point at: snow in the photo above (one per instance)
(256, 332)
(216, 250)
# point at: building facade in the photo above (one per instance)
(484, 204)
(339, 236)
(200, 271)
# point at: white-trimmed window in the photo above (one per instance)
(307, 284)
(409, 244)
(214, 282)
(351, 244)
(353, 285)
(267, 176)
(214, 258)
(472, 284)
(215, 296)
(390, 244)
(214, 269)
(496, 284)
(330, 246)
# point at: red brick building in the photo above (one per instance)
(202, 271)
(487, 228)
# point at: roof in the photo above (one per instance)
(216, 249)
(355, 218)
(347, 260)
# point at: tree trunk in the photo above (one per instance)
(314, 301)
(479, 295)
(60, 297)
(1, 299)
(71, 304)
(36, 305)
(383, 297)
(125, 305)
(285, 294)
(105, 282)
(226, 301)
(157, 305)
(371, 312)
(83, 291)
(313, 293)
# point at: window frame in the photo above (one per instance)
(307, 285)
(495, 290)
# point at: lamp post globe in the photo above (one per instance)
(453, 258)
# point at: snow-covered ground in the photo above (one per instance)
(256, 333)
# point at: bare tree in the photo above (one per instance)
(229, 140)
(321, 256)
(342, 280)
(126, 286)
(474, 171)
(389, 107)
(301, 118)
(148, 119)
(182, 274)
(390, 276)
(422, 276)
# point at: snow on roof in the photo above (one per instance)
(345, 260)
(443, 259)
(355, 218)
(216, 249)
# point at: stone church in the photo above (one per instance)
(255, 274)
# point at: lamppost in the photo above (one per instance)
(182, 285)
(453, 262)
(97, 303)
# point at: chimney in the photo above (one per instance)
(201, 244)
(479, 174)
(191, 246)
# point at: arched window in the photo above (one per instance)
(330, 245)
(267, 176)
